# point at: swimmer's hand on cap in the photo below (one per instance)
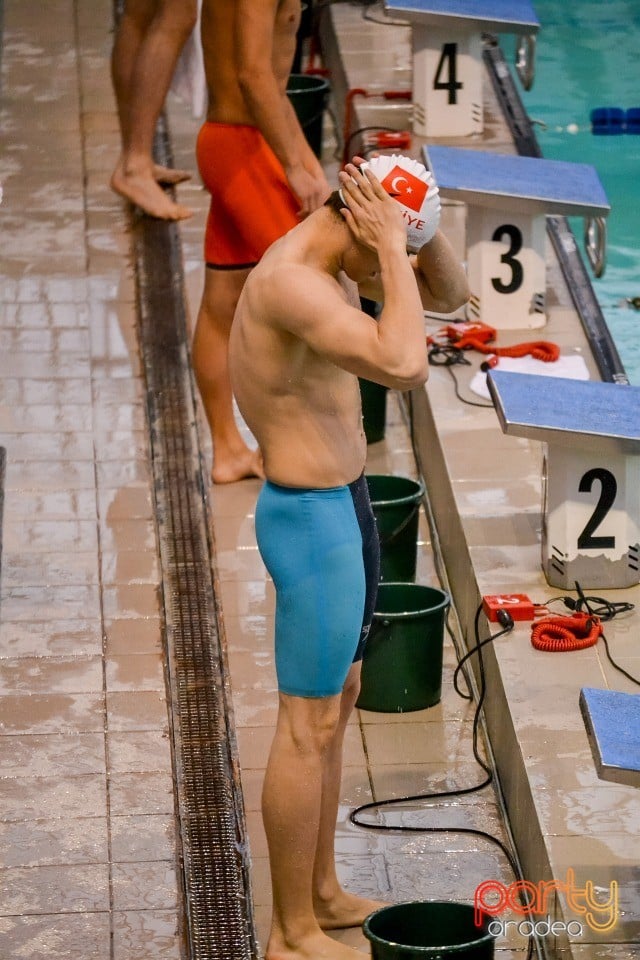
(372, 215)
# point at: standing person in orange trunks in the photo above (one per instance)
(263, 179)
(148, 41)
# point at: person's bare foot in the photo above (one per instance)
(345, 910)
(229, 468)
(314, 947)
(143, 191)
(169, 175)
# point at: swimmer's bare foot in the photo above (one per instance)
(169, 175)
(315, 946)
(228, 468)
(143, 191)
(344, 910)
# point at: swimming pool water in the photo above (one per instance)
(587, 57)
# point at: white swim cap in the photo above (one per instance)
(410, 183)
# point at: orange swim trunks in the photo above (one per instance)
(251, 203)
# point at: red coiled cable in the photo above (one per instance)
(558, 634)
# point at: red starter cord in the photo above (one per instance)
(558, 634)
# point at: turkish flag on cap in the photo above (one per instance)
(404, 187)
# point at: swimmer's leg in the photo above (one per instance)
(232, 458)
(150, 36)
(334, 907)
(292, 809)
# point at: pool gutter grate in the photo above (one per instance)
(218, 909)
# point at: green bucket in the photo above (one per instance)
(428, 930)
(402, 663)
(374, 409)
(308, 95)
(396, 506)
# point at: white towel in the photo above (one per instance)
(189, 82)
(572, 367)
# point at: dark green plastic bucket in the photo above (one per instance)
(396, 505)
(402, 663)
(374, 409)
(428, 930)
(308, 95)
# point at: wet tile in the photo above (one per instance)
(139, 838)
(50, 475)
(46, 755)
(126, 503)
(51, 505)
(131, 567)
(127, 397)
(145, 886)
(402, 780)
(121, 445)
(146, 933)
(118, 535)
(50, 638)
(61, 569)
(129, 636)
(116, 473)
(249, 634)
(51, 713)
(56, 889)
(43, 536)
(139, 710)
(47, 842)
(58, 603)
(28, 675)
(138, 752)
(418, 743)
(247, 598)
(50, 445)
(38, 419)
(141, 793)
(127, 600)
(142, 671)
(34, 798)
(57, 936)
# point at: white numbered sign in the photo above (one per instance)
(506, 268)
(591, 519)
(447, 82)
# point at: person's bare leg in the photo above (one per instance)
(335, 907)
(291, 811)
(150, 37)
(232, 458)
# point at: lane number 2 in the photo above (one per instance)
(608, 491)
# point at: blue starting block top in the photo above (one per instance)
(518, 184)
(580, 414)
(612, 722)
(498, 15)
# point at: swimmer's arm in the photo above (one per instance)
(391, 351)
(440, 276)
(270, 107)
(441, 279)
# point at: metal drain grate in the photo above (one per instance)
(211, 816)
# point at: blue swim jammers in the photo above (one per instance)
(321, 549)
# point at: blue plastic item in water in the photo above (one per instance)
(632, 120)
(607, 121)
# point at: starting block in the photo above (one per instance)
(591, 507)
(447, 57)
(612, 722)
(509, 198)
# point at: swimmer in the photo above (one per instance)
(263, 178)
(298, 344)
(149, 38)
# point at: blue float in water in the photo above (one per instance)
(632, 120)
(607, 121)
